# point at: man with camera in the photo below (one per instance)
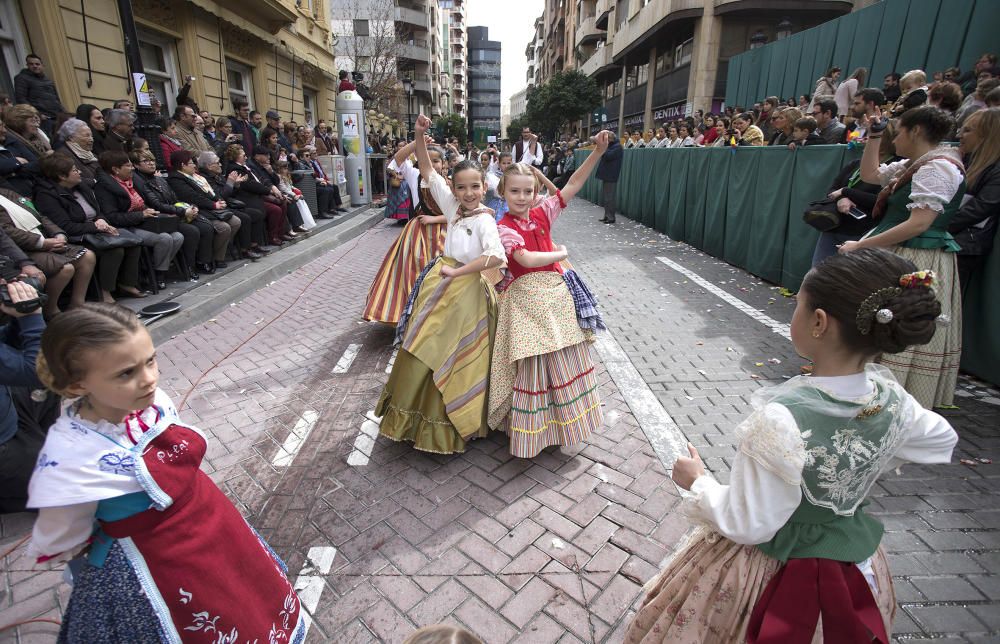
(26, 409)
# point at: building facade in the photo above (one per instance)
(533, 52)
(454, 96)
(484, 85)
(657, 60)
(277, 54)
(559, 38)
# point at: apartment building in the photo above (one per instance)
(559, 38)
(656, 60)
(276, 54)
(455, 49)
(533, 52)
(484, 85)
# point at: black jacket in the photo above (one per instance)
(864, 195)
(157, 193)
(60, 205)
(115, 202)
(257, 182)
(982, 204)
(39, 92)
(220, 186)
(189, 192)
(18, 176)
(610, 166)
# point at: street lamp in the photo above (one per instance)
(759, 39)
(784, 29)
(408, 88)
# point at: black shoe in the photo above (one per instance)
(342, 210)
(300, 229)
(252, 255)
(603, 220)
(609, 221)
(193, 274)
(206, 269)
(261, 250)
(221, 265)
(325, 215)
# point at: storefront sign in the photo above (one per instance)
(634, 120)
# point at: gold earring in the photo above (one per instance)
(816, 334)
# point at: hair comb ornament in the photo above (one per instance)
(873, 309)
(918, 279)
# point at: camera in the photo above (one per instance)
(11, 273)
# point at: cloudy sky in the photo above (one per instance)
(512, 23)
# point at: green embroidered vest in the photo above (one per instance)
(937, 236)
(844, 456)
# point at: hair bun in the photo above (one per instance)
(914, 321)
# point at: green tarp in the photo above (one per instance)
(745, 206)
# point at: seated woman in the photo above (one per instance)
(256, 191)
(192, 188)
(327, 192)
(199, 235)
(72, 206)
(48, 247)
(124, 207)
(251, 231)
(78, 145)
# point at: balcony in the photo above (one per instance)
(421, 82)
(588, 32)
(603, 13)
(411, 17)
(416, 49)
(601, 61)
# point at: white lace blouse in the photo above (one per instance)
(934, 185)
(468, 237)
(765, 484)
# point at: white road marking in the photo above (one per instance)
(392, 360)
(660, 429)
(296, 438)
(365, 442)
(778, 327)
(346, 360)
(309, 584)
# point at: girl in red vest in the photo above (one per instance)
(543, 389)
(785, 553)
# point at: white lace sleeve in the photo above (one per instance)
(764, 483)
(929, 437)
(888, 171)
(59, 531)
(934, 185)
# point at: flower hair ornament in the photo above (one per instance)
(873, 309)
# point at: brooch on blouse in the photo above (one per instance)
(868, 412)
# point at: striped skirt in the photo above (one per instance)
(416, 246)
(543, 390)
(930, 372)
(436, 393)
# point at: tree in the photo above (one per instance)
(452, 125)
(566, 98)
(514, 128)
(367, 42)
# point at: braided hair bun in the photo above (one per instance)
(853, 288)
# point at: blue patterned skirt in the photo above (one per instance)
(584, 301)
(404, 317)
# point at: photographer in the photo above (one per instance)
(23, 420)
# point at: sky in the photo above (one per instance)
(512, 22)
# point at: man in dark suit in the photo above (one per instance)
(528, 144)
(608, 170)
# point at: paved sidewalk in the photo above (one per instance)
(382, 539)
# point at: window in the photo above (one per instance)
(361, 28)
(238, 76)
(664, 62)
(12, 47)
(309, 106)
(637, 75)
(363, 64)
(682, 55)
(159, 63)
(621, 12)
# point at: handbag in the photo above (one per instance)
(822, 215)
(161, 224)
(235, 203)
(221, 215)
(101, 242)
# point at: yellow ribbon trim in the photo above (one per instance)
(557, 422)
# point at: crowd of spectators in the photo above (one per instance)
(81, 195)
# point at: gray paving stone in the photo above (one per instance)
(946, 589)
(946, 619)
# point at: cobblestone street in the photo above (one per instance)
(381, 539)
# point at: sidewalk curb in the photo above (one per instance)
(200, 304)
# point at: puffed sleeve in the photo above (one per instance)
(929, 437)
(934, 185)
(59, 531)
(510, 238)
(443, 196)
(888, 171)
(490, 236)
(552, 207)
(764, 483)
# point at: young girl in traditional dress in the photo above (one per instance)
(788, 540)
(436, 393)
(421, 240)
(494, 173)
(543, 389)
(170, 558)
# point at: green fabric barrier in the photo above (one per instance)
(776, 74)
(740, 204)
(806, 80)
(766, 239)
(699, 183)
(763, 82)
(733, 73)
(862, 52)
(826, 38)
(789, 85)
(657, 170)
(677, 204)
(815, 168)
(890, 34)
(843, 47)
(716, 200)
(917, 34)
(982, 34)
(981, 319)
(949, 34)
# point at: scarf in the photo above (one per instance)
(202, 183)
(86, 156)
(945, 154)
(37, 144)
(176, 142)
(135, 199)
(23, 218)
